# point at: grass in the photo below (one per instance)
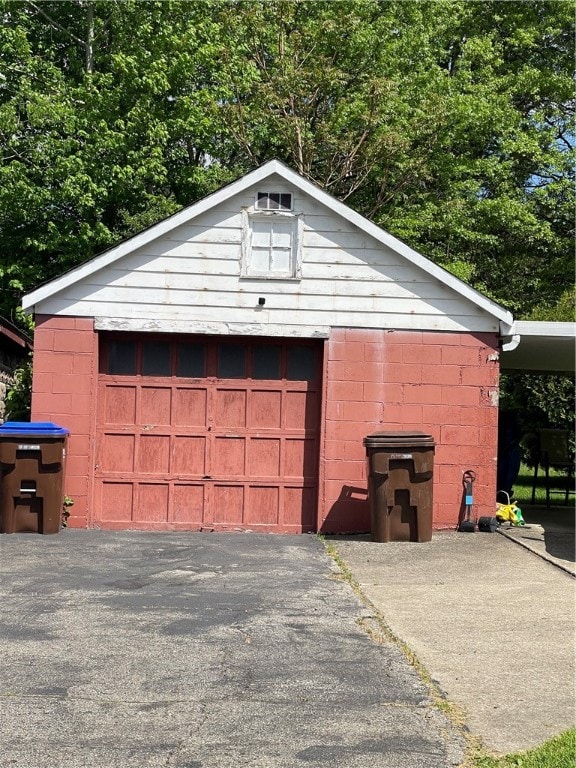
(523, 486)
(559, 752)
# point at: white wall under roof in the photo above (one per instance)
(188, 280)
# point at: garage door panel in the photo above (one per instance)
(266, 409)
(264, 457)
(155, 405)
(229, 457)
(228, 504)
(117, 453)
(189, 455)
(263, 505)
(152, 503)
(188, 504)
(116, 502)
(301, 410)
(153, 455)
(300, 507)
(230, 411)
(120, 405)
(189, 408)
(300, 457)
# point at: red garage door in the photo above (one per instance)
(202, 432)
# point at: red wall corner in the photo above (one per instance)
(444, 384)
(63, 389)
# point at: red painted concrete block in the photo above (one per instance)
(77, 424)
(460, 396)
(445, 339)
(76, 486)
(84, 324)
(424, 394)
(393, 354)
(373, 392)
(60, 403)
(74, 341)
(484, 375)
(41, 382)
(489, 340)
(441, 414)
(461, 356)
(404, 337)
(430, 355)
(81, 404)
(442, 374)
(345, 430)
(337, 334)
(347, 471)
(57, 322)
(79, 445)
(55, 362)
(403, 373)
(401, 413)
(344, 371)
(375, 353)
(462, 436)
(347, 352)
(73, 383)
(43, 340)
(76, 466)
(346, 390)
(83, 363)
(363, 335)
(77, 521)
(344, 450)
(368, 412)
(489, 396)
(392, 393)
(450, 455)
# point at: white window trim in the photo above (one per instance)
(248, 216)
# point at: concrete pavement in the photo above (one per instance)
(492, 622)
(140, 650)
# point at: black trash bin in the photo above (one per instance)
(32, 458)
(400, 482)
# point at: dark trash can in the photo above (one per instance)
(400, 480)
(32, 458)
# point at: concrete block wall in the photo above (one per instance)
(444, 384)
(64, 391)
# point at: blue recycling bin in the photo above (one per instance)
(32, 462)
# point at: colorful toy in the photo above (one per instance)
(507, 510)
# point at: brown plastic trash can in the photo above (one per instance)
(32, 457)
(400, 480)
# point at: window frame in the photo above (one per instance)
(297, 227)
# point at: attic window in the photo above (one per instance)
(271, 245)
(273, 201)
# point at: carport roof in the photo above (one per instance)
(544, 347)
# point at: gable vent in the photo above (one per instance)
(274, 201)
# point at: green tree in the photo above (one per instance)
(446, 122)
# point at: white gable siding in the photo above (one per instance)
(189, 280)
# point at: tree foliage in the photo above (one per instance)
(447, 122)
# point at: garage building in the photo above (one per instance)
(220, 370)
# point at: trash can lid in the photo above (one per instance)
(32, 428)
(398, 439)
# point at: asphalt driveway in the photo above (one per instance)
(199, 651)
